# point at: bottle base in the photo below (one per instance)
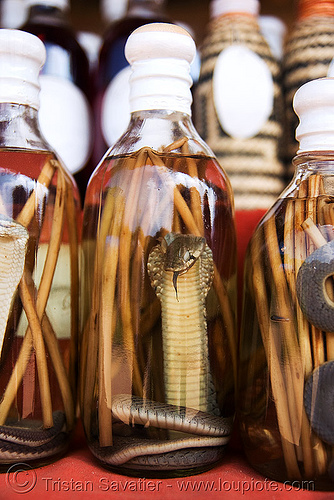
(274, 471)
(181, 463)
(33, 463)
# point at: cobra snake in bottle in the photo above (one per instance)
(181, 272)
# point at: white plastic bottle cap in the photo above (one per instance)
(22, 56)
(160, 55)
(60, 4)
(314, 105)
(221, 7)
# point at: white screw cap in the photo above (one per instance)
(314, 104)
(22, 56)
(160, 55)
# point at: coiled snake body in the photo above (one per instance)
(181, 272)
(18, 442)
(314, 301)
(318, 309)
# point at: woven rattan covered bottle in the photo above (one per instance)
(39, 213)
(287, 342)
(238, 110)
(158, 351)
(308, 53)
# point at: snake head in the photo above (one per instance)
(181, 252)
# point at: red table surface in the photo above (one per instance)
(77, 475)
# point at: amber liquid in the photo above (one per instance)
(280, 349)
(22, 401)
(146, 195)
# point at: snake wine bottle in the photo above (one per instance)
(39, 208)
(158, 348)
(287, 334)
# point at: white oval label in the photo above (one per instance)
(243, 91)
(66, 121)
(115, 113)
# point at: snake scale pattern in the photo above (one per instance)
(13, 244)
(318, 309)
(25, 441)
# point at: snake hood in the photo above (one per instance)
(181, 251)
(177, 253)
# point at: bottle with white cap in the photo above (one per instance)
(65, 115)
(158, 352)
(39, 215)
(287, 344)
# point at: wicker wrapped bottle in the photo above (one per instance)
(287, 342)
(39, 207)
(308, 52)
(240, 117)
(158, 351)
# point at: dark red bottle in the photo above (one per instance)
(66, 116)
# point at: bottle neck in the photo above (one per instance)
(318, 165)
(157, 129)
(314, 160)
(315, 8)
(19, 128)
(161, 84)
(46, 14)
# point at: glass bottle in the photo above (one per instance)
(111, 108)
(308, 53)
(286, 351)
(158, 348)
(241, 118)
(39, 210)
(66, 117)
